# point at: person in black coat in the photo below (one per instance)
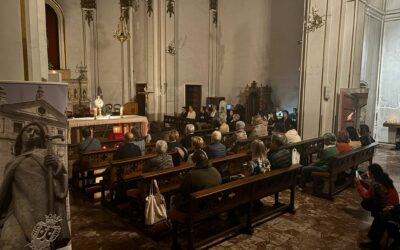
(128, 149)
(365, 135)
(278, 157)
(187, 139)
(216, 149)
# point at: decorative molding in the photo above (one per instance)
(88, 7)
(214, 11)
(392, 16)
(314, 21)
(126, 3)
(171, 7)
(88, 4)
(149, 7)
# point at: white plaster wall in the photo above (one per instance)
(192, 58)
(244, 45)
(379, 4)
(73, 34)
(12, 64)
(286, 31)
(392, 5)
(388, 106)
(370, 64)
(109, 50)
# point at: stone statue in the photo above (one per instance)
(25, 194)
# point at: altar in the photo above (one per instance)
(125, 124)
(394, 131)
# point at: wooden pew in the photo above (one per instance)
(241, 193)
(89, 162)
(307, 149)
(179, 123)
(121, 172)
(339, 164)
(230, 164)
(244, 145)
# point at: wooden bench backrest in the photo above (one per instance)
(353, 158)
(211, 201)
(127, 169)
(232, 162)
(99, 156)
(307, 149)
(168, 180)
(244, 145)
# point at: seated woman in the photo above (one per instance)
(173, 141)
(365, 135)
(223, 127)
(291, 134)
(202, 176)
(354, 138)
(259, 162)
(377, 193)
(278, 156)
(197, 144)
(379, 196)
(325, 155)
(260, 129)
(161, 161)
(240, 134)
(343, 140)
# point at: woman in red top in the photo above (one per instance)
(379, 193)
(343, 140)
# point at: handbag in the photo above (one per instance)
(295, 157)
(155, 210)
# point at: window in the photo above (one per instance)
(17, 127)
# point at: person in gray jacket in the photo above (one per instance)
(161, 161)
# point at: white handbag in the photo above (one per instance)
(295, 157)
(155, 210)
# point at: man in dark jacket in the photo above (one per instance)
(189, 133)
(278, 157)
(216, 148)
(128, 149)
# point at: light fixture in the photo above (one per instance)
(122, 33)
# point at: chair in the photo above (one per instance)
(108, 108)
(117, 108)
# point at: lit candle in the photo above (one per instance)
(121, 111)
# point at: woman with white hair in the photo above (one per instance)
(161, 161)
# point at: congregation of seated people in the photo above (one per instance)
(265, 155)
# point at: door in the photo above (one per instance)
(193, 96)
(347, 110)
(141, 98)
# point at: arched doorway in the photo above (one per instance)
(55, 35)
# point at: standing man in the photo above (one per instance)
(25, 191)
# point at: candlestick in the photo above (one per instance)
(121, 112)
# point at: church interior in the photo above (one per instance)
(214, 124)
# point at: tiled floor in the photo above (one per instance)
(317, 224)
